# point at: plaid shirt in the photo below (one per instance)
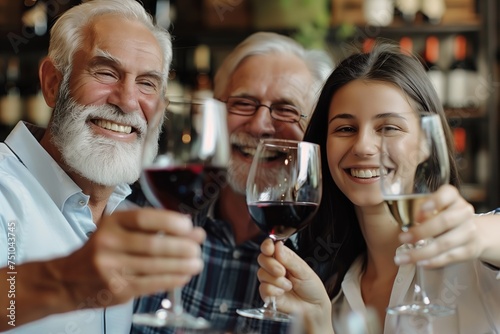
(228, 282)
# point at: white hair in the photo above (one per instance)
(66, 36)
(318, 62)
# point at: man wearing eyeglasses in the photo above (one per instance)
(269, 84)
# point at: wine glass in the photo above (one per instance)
(283, 192)
(414, 164)
(183, 171)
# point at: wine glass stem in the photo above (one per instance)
(270, 304)
(177, 301)
(420, 296)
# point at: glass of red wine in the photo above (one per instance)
(183, 170)
(283, 192)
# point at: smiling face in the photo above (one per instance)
(270, 79)
(113, 92)
(359, 112)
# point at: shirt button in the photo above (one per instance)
(399, 279)
(223, 308)
(236, 254)
(82, 202)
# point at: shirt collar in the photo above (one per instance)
(24, 141)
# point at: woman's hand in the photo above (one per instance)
(295, 285)
(457, 234)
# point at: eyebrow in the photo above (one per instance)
(102, 56)
(378, 116)
(283, 100)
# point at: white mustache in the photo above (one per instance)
(243, 139)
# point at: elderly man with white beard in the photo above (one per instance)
(73, 259)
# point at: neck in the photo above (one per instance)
(233, 209)
(380, 232)
(99, 194)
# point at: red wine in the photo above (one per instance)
(281, 219)
(186, 189)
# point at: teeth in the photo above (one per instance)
(365, 173)
(248, 150)
(251, 151)
(113, 126)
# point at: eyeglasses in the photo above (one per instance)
(247, 106)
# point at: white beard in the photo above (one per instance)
(237, 174)
(237, 171)
(97, 158)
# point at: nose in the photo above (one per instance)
(366, 144)
(261, 124)
(125, 95)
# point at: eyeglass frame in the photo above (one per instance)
(258, 105)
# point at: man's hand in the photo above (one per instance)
(132, 253)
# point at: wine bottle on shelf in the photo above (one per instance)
(433, 10)
(378, 12)
(434, 71)
(10, 101)
(406, 45)
(408, 9)
(482, 164)
(463, 154)
(203, 81)
(368, 45)
(462, 77)
(37, 111)
(174, 87)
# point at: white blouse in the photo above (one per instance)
(472, 287)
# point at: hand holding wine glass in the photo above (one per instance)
(283, 192)
(407, 180)
(185, 176)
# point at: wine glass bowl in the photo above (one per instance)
(193, 152)
(283, 192)
(184, 169)
(283, 186)
(414, 164)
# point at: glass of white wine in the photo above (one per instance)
(414, 164)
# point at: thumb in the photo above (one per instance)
(267, 247)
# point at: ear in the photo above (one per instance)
(50, 81)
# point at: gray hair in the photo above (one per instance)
(318, 62)
(66, 35)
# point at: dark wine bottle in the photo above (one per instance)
(203, 80)
(462, 77)
(434, 71)
(463, 154)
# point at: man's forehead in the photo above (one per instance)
(263, 75)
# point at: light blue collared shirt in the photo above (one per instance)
(44, 215)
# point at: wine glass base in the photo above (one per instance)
(432, 310)
(265, 314)
(164, 318)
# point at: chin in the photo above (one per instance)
(366, 201)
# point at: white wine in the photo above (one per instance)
(402, 207)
